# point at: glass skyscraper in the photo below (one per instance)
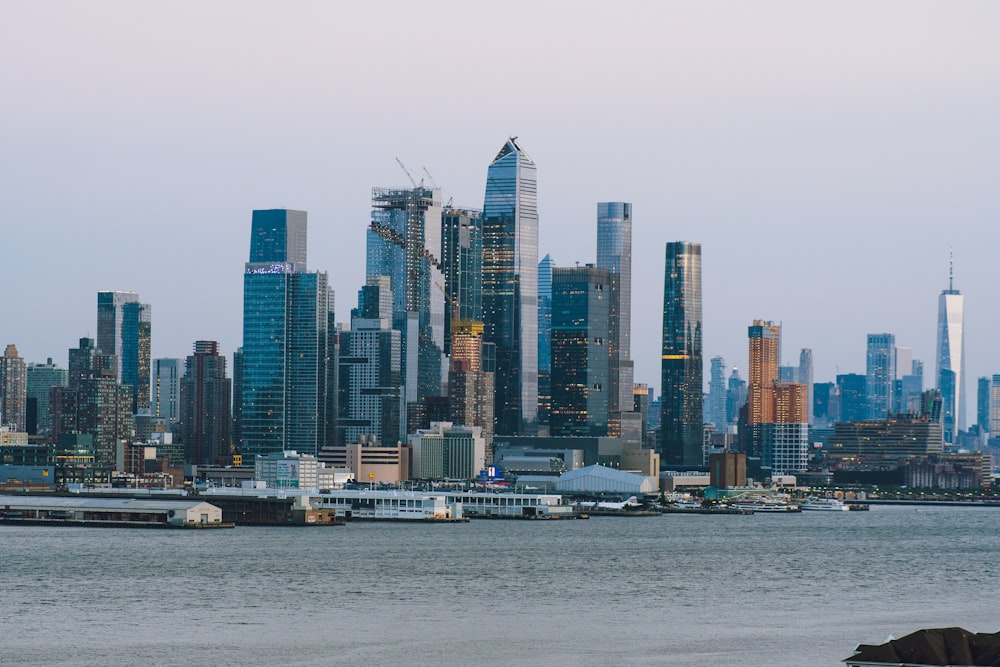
(462, 264)
(286, 356)
(545, 338)
(580, 361)
(510, 286)
(404, 243)
(951, 358)
(681, 390)
(614, 253)
(880, 373)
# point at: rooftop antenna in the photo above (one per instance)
(951, 269)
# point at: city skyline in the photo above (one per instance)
(782, 146)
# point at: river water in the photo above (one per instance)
(800, 589)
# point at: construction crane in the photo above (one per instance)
(409, 175)
(397, 239)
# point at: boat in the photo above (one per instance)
(764, 504)
(814, 504)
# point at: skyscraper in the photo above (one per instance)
(41, 379)
(545, 338)
(371, 393)
(166, 390)
(580, 360)
(951, 357)
(765, 352)
(205, 406)
(614, 253)
(880, 373)
(94, 403)
(717, 395)
(287, 315)
(405, 242)
(462, 264)
(681, 362)
(805, 376)
(510, 286)
(13, 390)
(124, 329)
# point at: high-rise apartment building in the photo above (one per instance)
(205, 406)
(470, 383)
(614, 253)
(994, 427)
(736, 396)
(124, 329)
(580, 360)
(371, 391)
(405, 243)
(286, 359)
(880, 374)
(13, 390)
(765, 351)
(510, 286)
(94, 403)
(951, 358)
(983, 404)
(165, 392)
(41, 379)
(681, 431)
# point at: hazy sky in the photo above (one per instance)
(825, 155)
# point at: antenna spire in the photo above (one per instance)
(951, 269)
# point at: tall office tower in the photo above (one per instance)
(805, 376)
(880, 373)
(545, 338)
(994, 427)
(681, 363)
(788, 373)
(470, 385)
(853, 391)
(983, 404)
(717, 395)
(580, 360)
(13, 390)
(124, 329)
(510, 286)
(911, 388)
(951, 357)
(404, 243)
(614, 253)
(41, 379)
(166, 390)
(371, 393)
(736, 396)
(94, 403)
(287, 317)
(824, 403)
(462, 264)
(206, 397)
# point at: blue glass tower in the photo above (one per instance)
(286, 354)
(510, 286)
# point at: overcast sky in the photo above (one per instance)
(826, 155)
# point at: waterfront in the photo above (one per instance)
(671, 590)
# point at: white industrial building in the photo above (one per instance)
(601, 479)
(117, 510)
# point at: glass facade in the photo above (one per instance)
(462, 264)
(581, 304)
(404, 242)
(681, 390)
(880, 374)
(614, 253)
(951, 361)
(286, 355)
(124, 328)
(510, 286)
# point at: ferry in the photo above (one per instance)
(814, 504)
(765, 504)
